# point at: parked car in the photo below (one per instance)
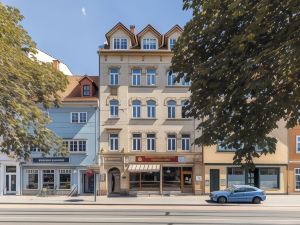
(239, 193)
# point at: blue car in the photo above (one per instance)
(239, 193)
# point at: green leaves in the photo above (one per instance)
(245, 73)
(26, 86)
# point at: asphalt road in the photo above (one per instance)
(148, 215)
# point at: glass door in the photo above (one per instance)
(11, 180)
(186, 182)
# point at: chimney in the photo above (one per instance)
(56, 63)
(132, 28)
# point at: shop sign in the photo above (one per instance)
(156, 158)
(51, 160)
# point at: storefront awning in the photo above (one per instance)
(143, 168)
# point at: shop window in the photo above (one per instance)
(235, 176)
(171, 178)
(145, 181)
(269, 178)
(65, 179)
(32, 179)
(48, 179)
(297, 179)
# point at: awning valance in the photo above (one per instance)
(143, 168)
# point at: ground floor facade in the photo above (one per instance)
(150, 174)
(271, 178)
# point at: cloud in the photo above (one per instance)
(83, 11)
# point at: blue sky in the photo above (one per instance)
(72, 30)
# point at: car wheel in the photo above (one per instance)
(222, 200)
(256, 200)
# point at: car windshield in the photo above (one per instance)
(230, 189)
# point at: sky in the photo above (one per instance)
(72, 30)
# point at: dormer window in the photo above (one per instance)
(149, 43)
(120, 43)
(86, 90)
(172, 42)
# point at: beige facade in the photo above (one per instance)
(141, 149)
(270, 174)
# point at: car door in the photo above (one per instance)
(237, 195)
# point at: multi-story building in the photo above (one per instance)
(294, 161)
(270, 173)
(77, 122)
(145, 137)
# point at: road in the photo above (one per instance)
(148, 215)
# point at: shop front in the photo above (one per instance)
(272, 179)
(140, 175)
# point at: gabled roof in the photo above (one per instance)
(174, 29)
(125, 29)
(150, 28)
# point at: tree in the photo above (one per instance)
(25, 84)
(243, 59)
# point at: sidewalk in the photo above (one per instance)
(272, 200)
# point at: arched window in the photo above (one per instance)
(151, 109)
(114, 108)
(171, 109)
(136, 109)
(171, 78)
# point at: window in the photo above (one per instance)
(136, 109)
(151, 142)
(185, 142)
(171, 178)
(151, 76)
(151, 109)
(79, 117)
(171, 109)
(32, 179)
(184, 105)
(145, 181)
(120, 43)
(171, 78)
(136, 77)
(114, 108)
(114, 142)
(86, 90)
(298, 144)
(65, 179)
(48, 179)
(149, 43)
(34, 149)
(74, 146)
(136, 142)
(269, 178)
(235, 176)
(114, 76)
(297, 179)
(172, 42)
(184, 81)
(171, 142)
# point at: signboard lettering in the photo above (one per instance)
(51, 160)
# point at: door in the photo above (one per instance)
(11, 180)
(88, 183)
(114, 179)
(253, 178)
(214, 180)
(186, 182)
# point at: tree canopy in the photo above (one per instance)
(243, 60)
(25, 86)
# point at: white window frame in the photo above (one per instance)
(172, 40)
(172, 109)
(136, 77)
(297, 143)
(114, 109)
(173, 146)
(136, 109)
(77, 141)
(32, 171)
(115, 75)
(136, 141)
(89, 90)
(78, 117)
(114, 139)
(119, 40)
(64, 171)
(151, 141)
(151, 109)
(183, 82)
(296, 173)
(151, 77)
(173, 76)
(148, 42)
(49, 171)
(34, 149)
(184, 141)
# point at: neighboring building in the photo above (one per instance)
(270, 173)
(145, 137)
(77, 122)
(44, 57)
(294, 160)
